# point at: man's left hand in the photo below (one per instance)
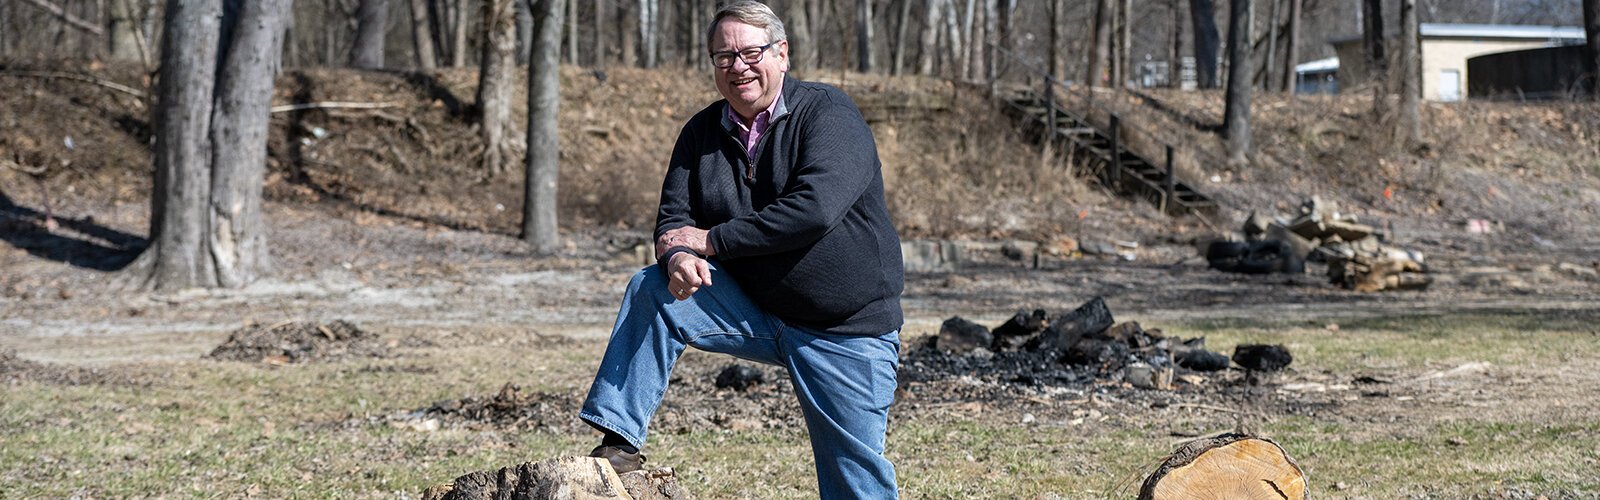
(689, 237)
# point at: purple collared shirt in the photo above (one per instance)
(751, 135)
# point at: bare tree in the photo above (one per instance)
(1408, 122)
(524, 28)
(628, 28)
(1591, 23)
(1269, 64)
(572, 33)
(494, 82)
(649, 32)
(802, 48)
(1372, 43)
(422, 36)
(1101, 54)
(211, 139)
(1203, 16)
(458, 48)
(865, 59)
(544, 104)
(1175, 52)
(371, 23)
(1291, 50)
(601, 14)
(124, 42)
(1237, 108)
(902, 22)
(931, 23)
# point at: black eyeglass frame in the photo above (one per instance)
(729, 55)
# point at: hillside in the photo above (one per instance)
(955, 167)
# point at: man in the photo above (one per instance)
(774, 245)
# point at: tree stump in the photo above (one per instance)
(566, 478)
(1230, 466)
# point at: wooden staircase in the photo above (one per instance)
(1118, 167)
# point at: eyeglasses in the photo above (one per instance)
(750, 55)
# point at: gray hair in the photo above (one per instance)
(752, 13)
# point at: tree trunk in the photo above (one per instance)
(627, 26)
(601, 14)
(458, 48)
(5, 37)
(1408, 123)
(499, 36)
(991, 37)
(210, 150)
(964, 54)
(1291, 50)
(1124, 44)
(954, 51)
(544, 104)
(648, 15)
(123, 43)
(864, 56)
(1372, 42)
(524, 21)
(1270, 63)
(1175, 53)
(975, 38)
(239, 128)
(422, 36)
(1227, 466)
(802, 48)
(1237, 108)
(930, 37)
(372, 22)
(1204, 18)
(1102, 43)
(178, 256)
(1053, 51)
(902, 22)
(1591, 23)
(440, 21)
(1008, 26)
(572, 32)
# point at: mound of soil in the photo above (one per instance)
(510, 408)
(299, 342)
(14, 370)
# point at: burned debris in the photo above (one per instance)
(299, 342)
(1355, 255)
(1079, 347)
(740, 377)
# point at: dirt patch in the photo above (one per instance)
(300, 342)
(14, 370)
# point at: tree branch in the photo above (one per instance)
(56, 10)
(77, 77)
(330, 105)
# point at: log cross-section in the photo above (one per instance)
(1231, 466)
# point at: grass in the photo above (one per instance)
(231, 429)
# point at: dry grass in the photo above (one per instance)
(205, 428)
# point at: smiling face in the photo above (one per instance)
(749, 89)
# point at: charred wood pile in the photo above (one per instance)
(1355, 253)
(1079, 347)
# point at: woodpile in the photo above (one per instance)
(1354, 252)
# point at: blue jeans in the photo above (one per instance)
(844, 383)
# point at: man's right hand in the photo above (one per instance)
(686, 274)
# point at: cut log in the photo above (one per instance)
(1231, 466)
(566, 478)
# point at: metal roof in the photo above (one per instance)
(1526, 32)
(1318, 66)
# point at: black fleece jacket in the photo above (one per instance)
(803, 228)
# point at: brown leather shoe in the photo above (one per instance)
(621, 461)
